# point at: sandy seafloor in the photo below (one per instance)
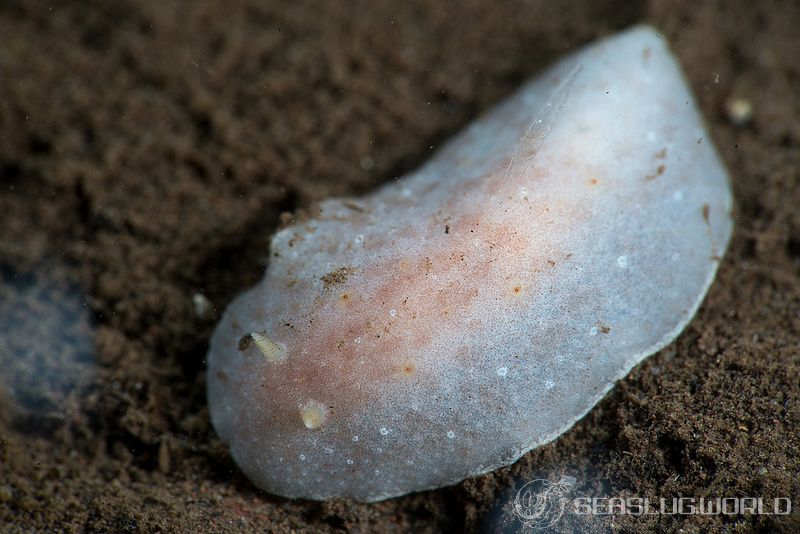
(147, 150)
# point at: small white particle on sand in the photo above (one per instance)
(502, 371)
(451, 434)
(328, 450)
(201, 306)
(302, 457)
(593, 331)
(622, 262)
(393, 313)
(355, 438)
(549, 384)
(739, 111)
(360, 238)
(384, 431)
(349, 461)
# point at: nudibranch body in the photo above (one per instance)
(455, 319)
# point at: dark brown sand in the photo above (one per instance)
(147, 150)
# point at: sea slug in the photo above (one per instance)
(451, 321)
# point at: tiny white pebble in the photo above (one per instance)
(302, 457)
(451, 434)
(328, 450)
(202, 306)
(593, 331)
(349, 461)
(393, 313)
(502, 371)
(384, 431)
(549, 384)
(355, 438)
(739, 111)
(622, 262)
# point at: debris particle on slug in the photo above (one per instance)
(313, 415)
(272, 351)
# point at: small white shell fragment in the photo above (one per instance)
(475, 309)
(271, 350)
(313, 415)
